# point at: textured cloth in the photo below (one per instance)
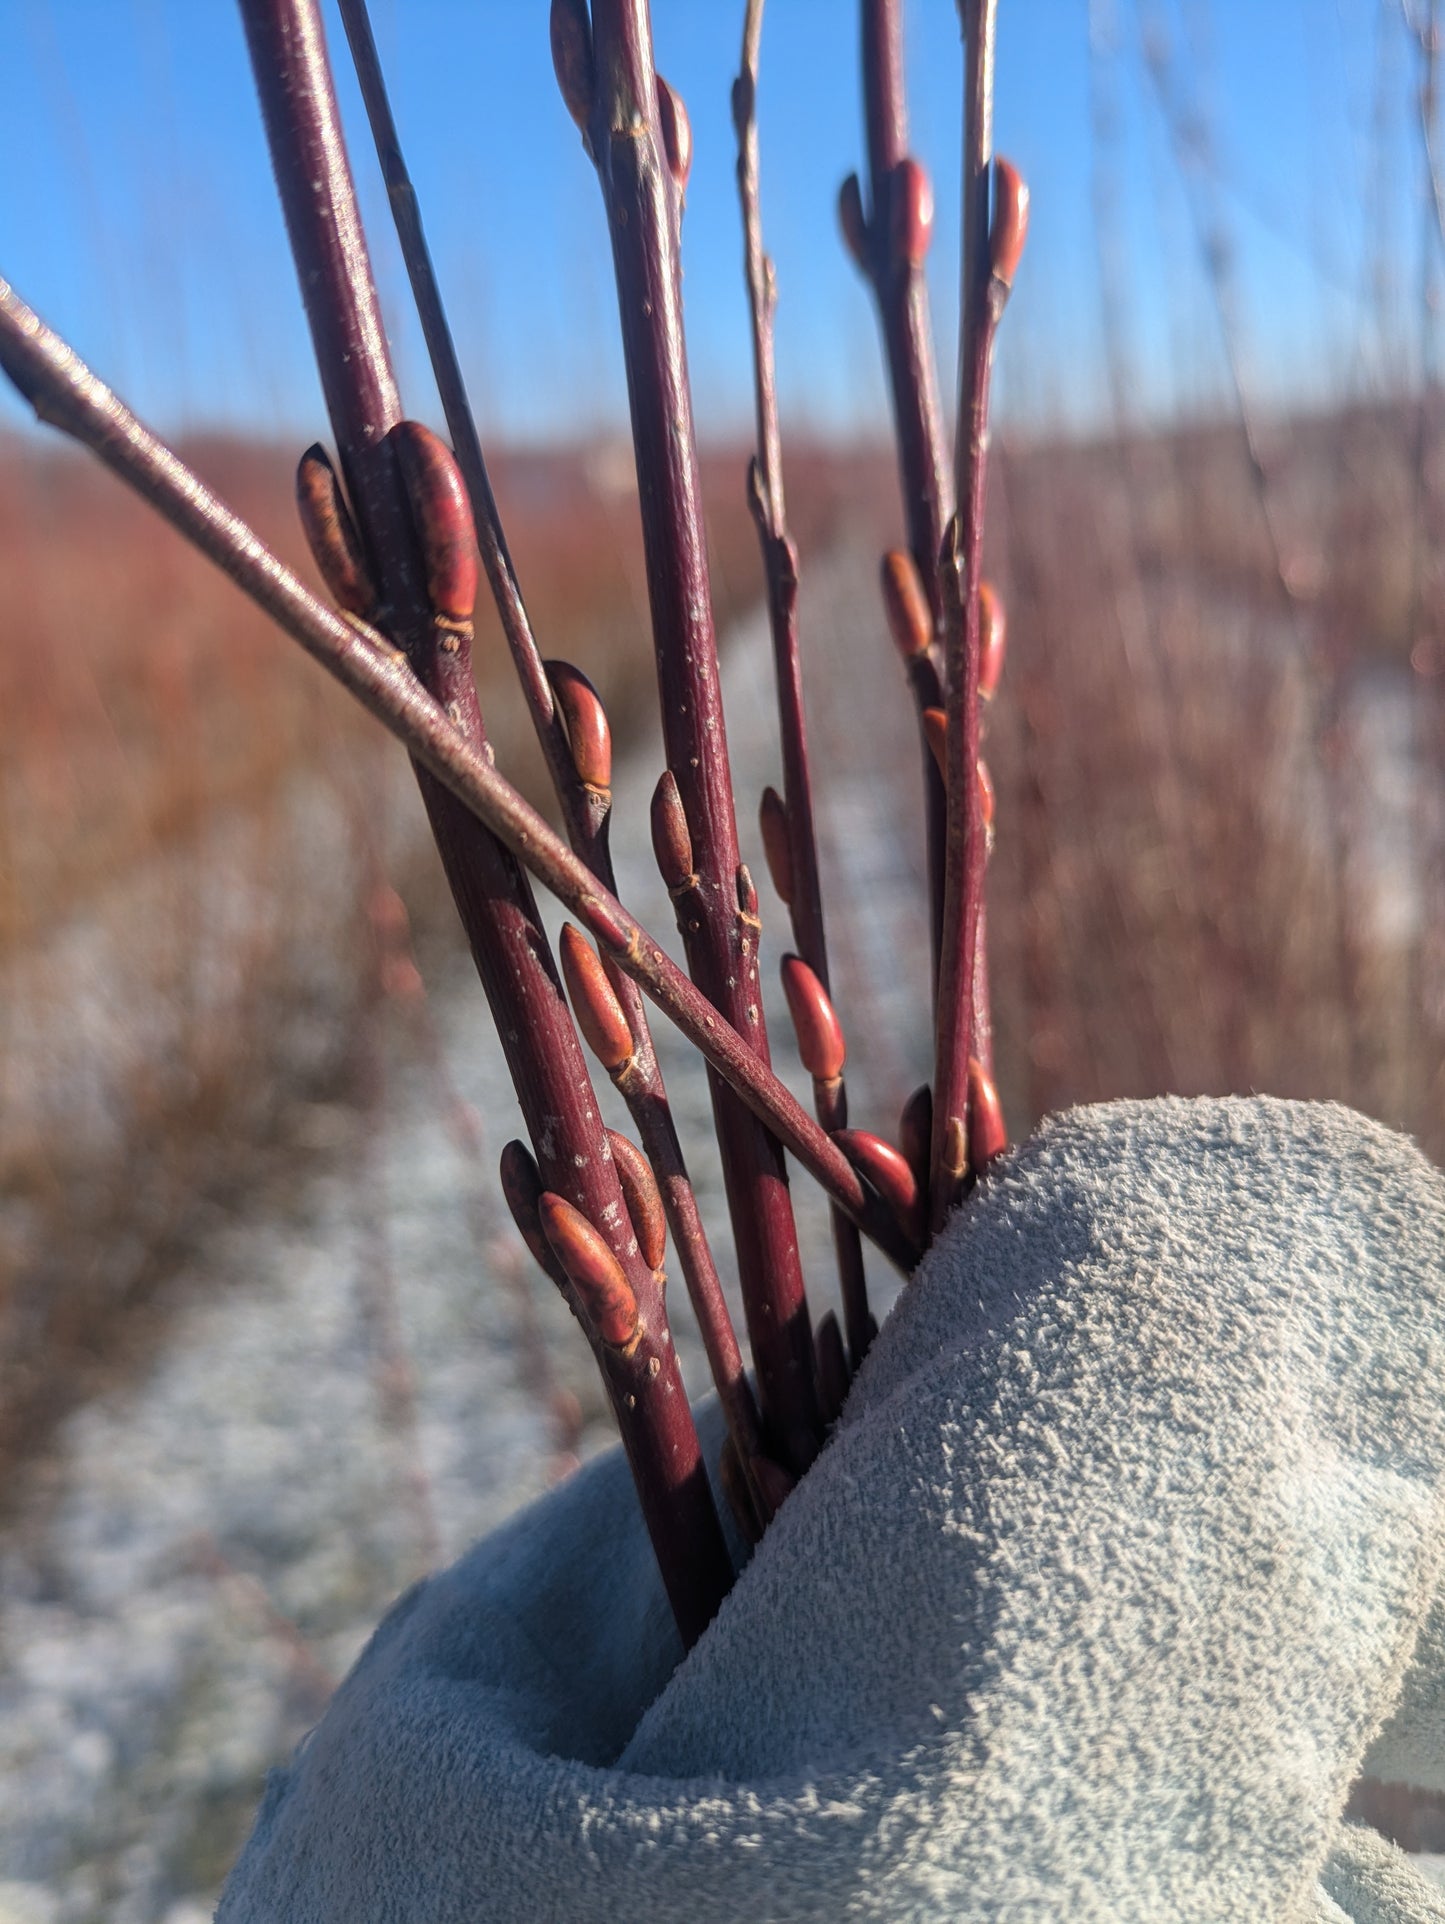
(1110, 1574)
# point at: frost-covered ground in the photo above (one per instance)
(338, 1398)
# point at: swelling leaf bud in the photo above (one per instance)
(599, 1014)
(815, 1021)
(442, 516)
(910, 620)
(592, 1269)
(1010, 226)
(332, 537)
(589, 733)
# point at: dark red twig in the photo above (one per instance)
(780, 566)
(415, 530)
(65, 393)
(611, 86)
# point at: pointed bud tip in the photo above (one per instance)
(671, 841)
(592, 1268)
(987, 1131)
(992, 640)
(935, 729)
(915, 1131)
(1010, 225)
(676, 132)
(642, 1196)
(599, 1014)
(912, 211)
(777, 842)
(572, 61)
(853, 221)
(910, 620)
(986, 800)
(890, 1173)
(442, 516)
(331, 535)
(815, 1021)
(589, 733)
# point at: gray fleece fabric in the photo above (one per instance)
(1113, 1571)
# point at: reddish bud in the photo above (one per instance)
(832, 1368)
(589, 733)
(912, 209)
(1010, 225)
(935, 730)
(910, 620)
(992, 639)
(442, 516)
(676, 132)
(671, 841)
(522, 1187)
(572, 58)
(592, 1269)
(815, 1021)
(599, 1013)
(853, 221)
(915, 1132)
(987, 1131)
(985, 793)
(777, 842)
(331, 535)
(888, 1170)
(642, 1196)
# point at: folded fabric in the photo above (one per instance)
(1112, 1571)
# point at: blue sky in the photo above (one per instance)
(140, 219)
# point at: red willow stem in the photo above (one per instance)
(980, 304)
(625, 138)
(780, 567)
(67, 395)
(586, 808)
(492, 894)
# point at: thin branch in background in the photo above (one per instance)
(635, 130)
(569, 721)
(793, 815)
(414, 523)
(69, 397)
(1188, 143)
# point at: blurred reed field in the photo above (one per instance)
(193, 827)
